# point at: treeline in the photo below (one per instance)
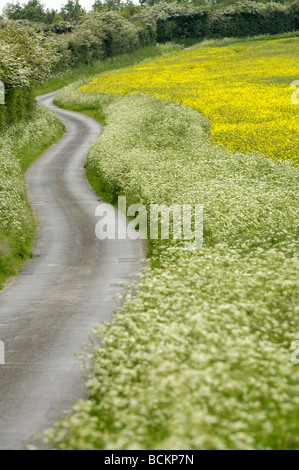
(32, 52)
(71, 11)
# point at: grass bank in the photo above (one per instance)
(20, 145)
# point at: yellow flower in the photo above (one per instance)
(243, 90)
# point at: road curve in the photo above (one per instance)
(50, 309)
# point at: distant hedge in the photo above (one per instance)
(246, 18)
(176, 21)
(19, 104)
(251, 19)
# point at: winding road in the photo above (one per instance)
(50, 309)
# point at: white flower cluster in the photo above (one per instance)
(26, 57)
(13, 69)
(16, 220)
(198, 357)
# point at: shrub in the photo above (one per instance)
(147, 28)
(176, 21)
(121, 34)
(251, 19)
(29, 55)
(86, 42)
(26, 58)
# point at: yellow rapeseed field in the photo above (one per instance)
(243, 89)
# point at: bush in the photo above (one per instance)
(176, 21)
(86, 42)
(251, 19)
(26, 58)
(121, 35)
(19, 104)
(147, 28)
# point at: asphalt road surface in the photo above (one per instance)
(50, 309)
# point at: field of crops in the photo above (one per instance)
(199, 357)
(243, 89)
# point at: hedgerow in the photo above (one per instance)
(17, 225)
(244, 19)
(248, 18)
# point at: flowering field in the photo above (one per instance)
(19, 145)
(243, 89)
(199, 355)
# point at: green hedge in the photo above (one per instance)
(19, 104)
(176, 21)
(244, 19)
(251, 19)
(102, 35)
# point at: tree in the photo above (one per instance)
(72, 10)
(129, 9)
(98, 5)
(108, 5)
(13, 11)
(50, 16)
(33, 10)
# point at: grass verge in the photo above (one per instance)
(20, 145)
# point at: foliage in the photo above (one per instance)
(72, 10)
(105, 5)
(102, 35)
(29, 54)
(33, 10)
(177, 21)
(253, 18)
(26, 59)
